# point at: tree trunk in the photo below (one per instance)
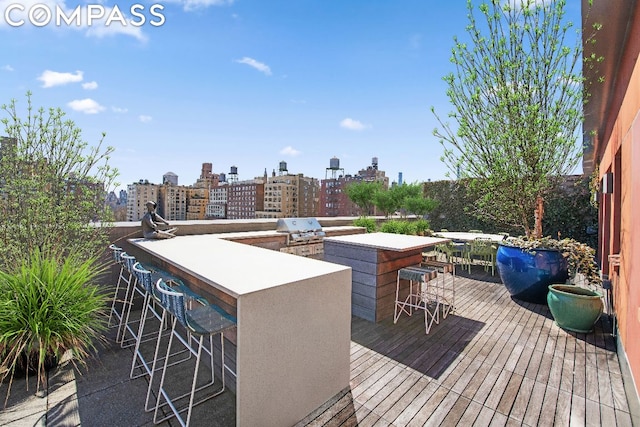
(539, 214)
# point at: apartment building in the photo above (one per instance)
(290, 196)
(245, 199)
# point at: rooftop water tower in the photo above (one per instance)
(334, 167)
(233, 174)
(283, 168)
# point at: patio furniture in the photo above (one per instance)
(137, 291)
(116, 253)
(127, 278)
(421, 295)
(483, 250)
(259, 294)
(375, 259)
(446, 284)
(205, 321)
(151, 309)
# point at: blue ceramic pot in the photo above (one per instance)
(528, 274)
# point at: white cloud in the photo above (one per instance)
(113, 21)
(119, 110)
(87, 106)
(53, 78)
(144, 118)
(255, 64)
(101, 30)
(351, 124)
(90, 85)
(7, 68)
(289, 151)
(189, 5)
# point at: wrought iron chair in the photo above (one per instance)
(205, 321)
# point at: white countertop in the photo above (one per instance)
(232, 267)
(463, 236)
(388, 241)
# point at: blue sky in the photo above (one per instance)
(245, 83)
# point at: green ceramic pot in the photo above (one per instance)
(574, 308)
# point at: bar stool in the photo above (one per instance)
(421, 296)
(127, 280)
(117, 260)
(446, 289)
(151, 309)
(207, 320)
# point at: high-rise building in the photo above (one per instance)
(172, 202)
(137, 195)
(333, 197)
(290, 196)
(217, 206)
(198, 194)
(245, 198)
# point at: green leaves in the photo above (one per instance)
(517, 99)
(52, 186)
(49, 305)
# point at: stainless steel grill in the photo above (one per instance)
(300, 230)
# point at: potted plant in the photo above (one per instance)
(528, 267)
(518, 95)
(574, 308)
(49, 306)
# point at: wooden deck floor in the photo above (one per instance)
(496, 361)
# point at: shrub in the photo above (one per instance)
(368, 223)
(48, 306)
(422, 227)
(399, 227)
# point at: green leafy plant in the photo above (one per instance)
(48, 306)
(362, 194)
(399, 227)
(517, 94)
(580, 256)
(368, 223)
(53, 186)
(422, 227)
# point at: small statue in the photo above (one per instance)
(150, 222)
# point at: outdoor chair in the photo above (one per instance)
(204, 321)
(421, 295)
(483, 250)
(151, 309)
(114, 313)
(127, 281)
(446, 284)
(453, 252)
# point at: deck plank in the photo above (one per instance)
(494, 361)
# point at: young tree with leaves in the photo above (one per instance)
(52, 187)
(362, 194)
(517, 93)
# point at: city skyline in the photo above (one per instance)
(243, 83)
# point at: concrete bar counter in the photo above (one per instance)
(375, 259)
(294, 321)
